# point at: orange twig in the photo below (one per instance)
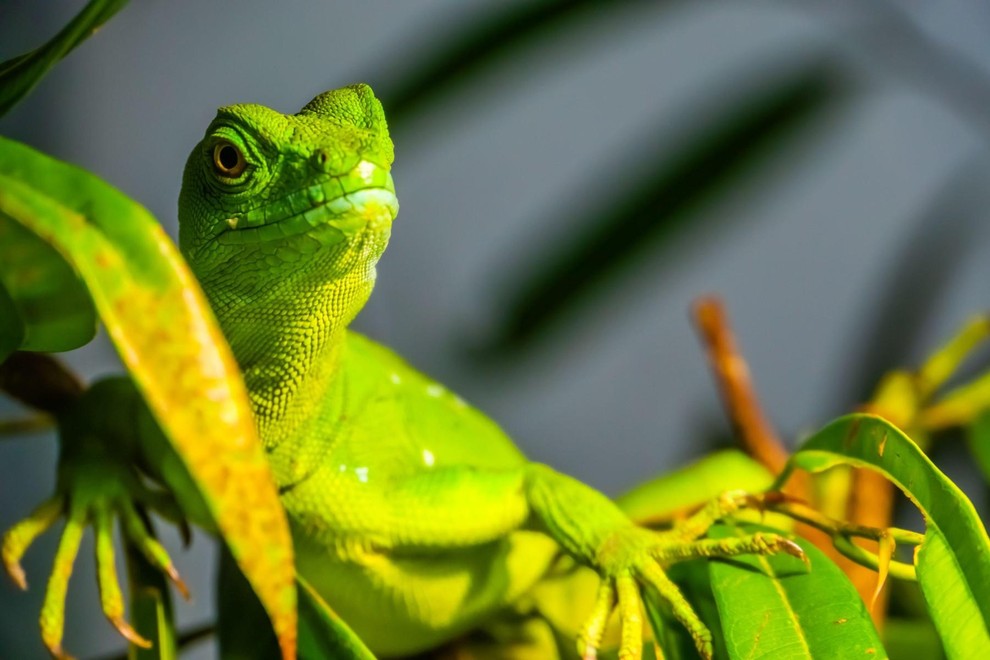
(735, 386)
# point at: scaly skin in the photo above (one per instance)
(412, 513)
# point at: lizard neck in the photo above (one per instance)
(288, 340)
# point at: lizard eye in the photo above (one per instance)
(228, 160)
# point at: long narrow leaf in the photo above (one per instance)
(163, 328)
(19, 74)
(953, 562)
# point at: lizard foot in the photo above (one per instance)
(634, 559)
(93, 490)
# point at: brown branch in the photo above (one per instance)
(735, 386)
(39, 381)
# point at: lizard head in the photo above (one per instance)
(288, 202)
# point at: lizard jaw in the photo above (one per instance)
(363, 197)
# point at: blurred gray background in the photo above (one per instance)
(860, 240)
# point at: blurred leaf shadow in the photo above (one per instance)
(921, 274)
(672, 191)
(494, 36)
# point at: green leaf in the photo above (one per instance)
(151, 609)
(663, 192)
(50, 309)
(19, 74)
(953, 562)
(322, 634)
(694, 484)
(166, 334)
(774, 607)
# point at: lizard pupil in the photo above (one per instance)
(228, 159)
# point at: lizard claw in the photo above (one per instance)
(20, 537)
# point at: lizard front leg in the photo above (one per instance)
(462, 506)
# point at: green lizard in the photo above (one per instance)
(413, 514)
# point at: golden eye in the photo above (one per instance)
(228, 160)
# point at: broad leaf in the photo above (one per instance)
(166, 335)
(19, 74)
(953, 562)
(774, 607)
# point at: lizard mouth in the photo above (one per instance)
(363, 197)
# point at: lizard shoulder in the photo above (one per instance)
(442, 428)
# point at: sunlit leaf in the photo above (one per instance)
(953, 562)
(778, 608)
(19, 74)
(166, 335)
(668, 190)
